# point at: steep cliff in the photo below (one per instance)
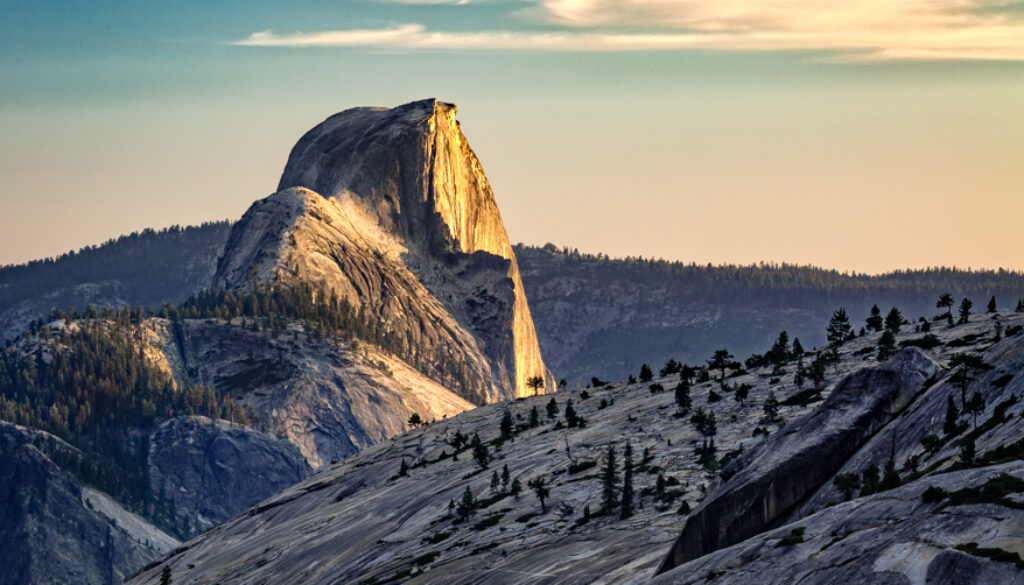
(389, 210)
(206, 471)
(54, 529)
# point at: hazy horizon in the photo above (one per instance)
(774, 132)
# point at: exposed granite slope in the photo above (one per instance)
(360, 522)
(893, 537)
(328, 399)
(766, 483)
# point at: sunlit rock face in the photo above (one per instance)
(390, 210)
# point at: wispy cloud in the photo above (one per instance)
(424, 1)
(866, 30)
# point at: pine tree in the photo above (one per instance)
(721, 360)
(976, 406)
(534, 419)
(687, 373)
(951, 426)
(946, 302)
(741, 393)
(541, 490)
(507, 425)
(645, 373)
(466, 506)
(886, 345)
(683, 400)
(771, 408)
(536, 383)
(817, 370)
(1020, 306)
(894, 320)
(965, 310)
(704, 421)
(609, 482)
(779, 352)
(480, 454)
(552, 409)
(671, 367)
(798, 348)
(626, 505)
(991, 305)
(571, 418)
(707, 455)
(875, 320)
(495, 481)
(517, 488)
(165, 575)
(869, 480)
(967, 452)
(505, 478)
(839, 328)
(403, 470)
(846, 483)
(967, 364)
(415, 420)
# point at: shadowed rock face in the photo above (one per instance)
(211, 470)
(769, 482)
(55, 530)
(390, 209)
(892, 537)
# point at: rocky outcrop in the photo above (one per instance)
(1001, 388)
(55, 530)
(390, 210)
(766, 484)
(207, 471)
(298, 236)
(328, 399)
(894, 537)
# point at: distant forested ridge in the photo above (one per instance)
(146, 268)
(594, 315)
(601, 316)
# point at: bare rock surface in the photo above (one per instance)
(767, 483)
(210, 470)
(327, 399)
(390, 210)
(893, 537)
(55, 530)
(361, 521)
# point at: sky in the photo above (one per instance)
(861, 135)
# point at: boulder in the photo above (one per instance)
(767, 483)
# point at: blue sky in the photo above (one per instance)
(865, 135)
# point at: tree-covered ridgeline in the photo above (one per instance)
(770, 283)
(152, 262)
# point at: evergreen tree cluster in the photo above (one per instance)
(92, 385)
